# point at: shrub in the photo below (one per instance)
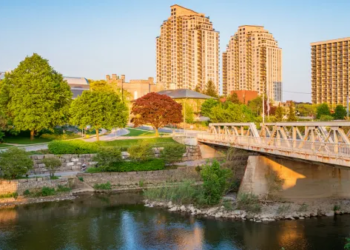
(173, 153)
(141, 152)
(95, 170)
(283, 209)
(10, 195)
(108, 156)
(303, 207)
(184, 193)
(215, 182)
(81, 179)
(52, 164)
(15, 162)
(228, 205)
(26, 192)
(72, 147)
(63, 189)
(129, 166)
(141, 183)
(46, 191)
(104, 186)
(54, 177)
(326, 118)
(249, 203)
(336, 208)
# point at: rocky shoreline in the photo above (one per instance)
(269, 211)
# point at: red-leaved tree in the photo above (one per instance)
(157, 110)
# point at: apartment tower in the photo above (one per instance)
(330, 71)
(187, 51)
(253, 61)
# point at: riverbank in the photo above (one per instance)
(21, 200)
(269, 210)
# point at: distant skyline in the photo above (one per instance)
(89, 38)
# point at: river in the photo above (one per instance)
(120, 221)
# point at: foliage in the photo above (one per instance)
(306, 109)
(14, 162)
(108, 156)
(130, 166)
(279, 114)
(183, 193)
(157, 110)
(99, 109)
(59, 137)
(62, 189)
(230, 112)
(256, 105)
(26, 192)
(291, 113)
(47, 191)
(100, 85)
(104, 186)
(211, 89)
(141, 183)
(198, 89)
(189, 114)
(215, 182)
(52, 164)
(173, 153)
(233, 98)
(336, 208)
(141, 151)
(72, 147)
(282, 209)
(274, 184)
(207, 106)
(303, 208)
(81, 179)
(249, 203)
(35, 96)
(347, 244)
(9, 195)
(326, 118)
(323, 109)
(228, 205)
(339, 113)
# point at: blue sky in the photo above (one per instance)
(92, 38)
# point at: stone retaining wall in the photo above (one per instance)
(147, 177)
(69, 162)
(72, 162)
(32, 184)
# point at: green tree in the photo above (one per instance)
(189, 114)
(291, 113)
(106, 157)
(322, 109)
(211, 89)
(305, 109)
(230, 112)
(207, 106)
(339, 113)
(14, 162)
(233, 98)
(256, 105)
(35, 96)
(215, 182)
(198, 89)
(52, 164)
(279, 113)
(99, 109)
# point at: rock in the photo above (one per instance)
(337, 212)
(173, 209)
(170, 204)
(330, 214)
(218, 215)
(183, 208)
(301, 218)
(212, 210)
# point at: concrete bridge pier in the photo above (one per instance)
(289, 179)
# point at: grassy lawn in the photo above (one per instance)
(141, 132)
(2, 145)
(156, 142)
(24, 140)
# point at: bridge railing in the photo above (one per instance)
(331, 149)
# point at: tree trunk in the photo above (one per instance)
(32, 135)
(97, 135)
(157, 133)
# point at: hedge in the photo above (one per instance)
(72, 147)
(129, 166)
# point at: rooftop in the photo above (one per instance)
(184, 93)
(332, 41)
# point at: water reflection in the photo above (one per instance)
(121, 222)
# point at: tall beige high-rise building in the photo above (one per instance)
(330, 71)
(187, 51)
(253, 61)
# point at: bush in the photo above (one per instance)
(173, 153)
(184, 193)
(59, 136)
(63, 189)
(141, 152)
(104, 186)
(81, 179)
(130, 166)
(52, 164)
(15, 162)
(72, 147)
(26, 192)
(215, 182)
(326, 118)
(46, 191)
(10, 195)
(108, 156)
(249, 203)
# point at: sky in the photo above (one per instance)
(93, 38)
